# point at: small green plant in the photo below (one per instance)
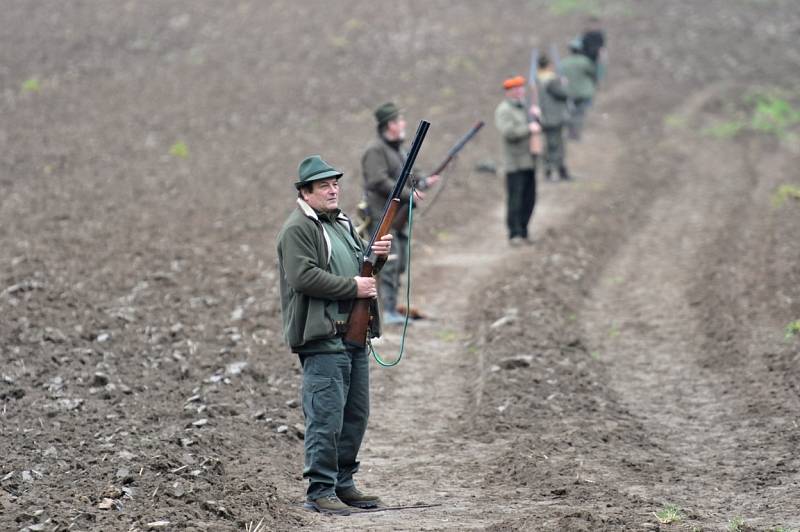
(448, 336)
(736, 524)
(179, 149)
(793, 329)
(669, 514)
(725, 130)
(31, 85)
(675, 121)
(784, 193)
(773, 114)
(565, 7)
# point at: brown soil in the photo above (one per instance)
(143, 374)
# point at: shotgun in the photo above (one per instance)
(358, 321)
(451, 154)
(536, 138)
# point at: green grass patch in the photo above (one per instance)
(676, 121)
(179, 149)
(772, 114)
(792, 330)
(736, 524)
(31, 85)
(767, 111)
(447, 336)
(566, 7)
(725, 130)
(669, 514)
(785, 193)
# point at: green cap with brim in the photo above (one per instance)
(313, 168)
(386, 112)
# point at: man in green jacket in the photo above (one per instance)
(511, 120)
(319, 259)
(553, 103)
(581, 76)
(381, 165)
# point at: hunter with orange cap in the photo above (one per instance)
(511, 119)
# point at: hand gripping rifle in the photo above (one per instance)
(451, 154)
(358, 322)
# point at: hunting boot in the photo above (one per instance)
(563, 173)
(329, 504)
(353, 497)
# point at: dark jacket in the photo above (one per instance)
(381, 165)
(310, 293)
(592, 42)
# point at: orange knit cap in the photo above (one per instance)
(510, 83)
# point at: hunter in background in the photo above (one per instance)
(381, 165)
(511, 120)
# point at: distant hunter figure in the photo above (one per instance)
(319, 260)
(593, 45)
(581, 75)
(553, 104)
(511, 120)
(381, 165)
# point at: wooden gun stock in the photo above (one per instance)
(358, 323)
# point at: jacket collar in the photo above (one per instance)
(311, 213)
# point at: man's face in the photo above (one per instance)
(396, 129)
(324, 195)
(516, 93)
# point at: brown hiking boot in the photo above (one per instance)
(329, 504)
(414, 313)
(353, 497)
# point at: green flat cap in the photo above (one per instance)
(386, 112)
(313, 168)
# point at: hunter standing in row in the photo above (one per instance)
(511, 119)
(553, 99)
(319, 260)
(581, 77)
(593, 45)
(381, 165)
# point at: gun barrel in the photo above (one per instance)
(422, 130)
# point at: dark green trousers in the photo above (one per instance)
(554, 147)
(336, 408)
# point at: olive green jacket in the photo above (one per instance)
(511, 120)
(310, 293)
(552, 99)
(581, 76)
(381, 165)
